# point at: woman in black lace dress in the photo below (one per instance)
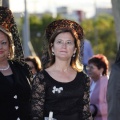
(62, 87)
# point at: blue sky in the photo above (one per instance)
(42, 5)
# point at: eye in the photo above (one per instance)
(4, 43)
(69, 42)
(59, 42)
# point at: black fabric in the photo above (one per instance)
(68, 101)
(21, 88)
(10, 79)
(113, 90)
(113, 93)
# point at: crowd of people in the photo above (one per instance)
(73, 84)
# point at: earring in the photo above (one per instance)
(53, 53)
(73, 55)
(8, 55)
(100, 74)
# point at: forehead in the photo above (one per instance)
(3, 35)
(92, 65)
(64, 36)
(30, 63)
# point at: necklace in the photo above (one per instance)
(5, 68)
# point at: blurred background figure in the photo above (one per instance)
(34, 64)
(98, 71)
(87, 53)
(113, 90)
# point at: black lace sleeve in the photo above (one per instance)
(86, 101)
(38, 97)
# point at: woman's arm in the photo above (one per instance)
(102, 106)
(86, 101)
(38, 97)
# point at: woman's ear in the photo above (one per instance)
(52, 47)
(51, 44)
(101, 70)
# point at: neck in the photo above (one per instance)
(63, 67)
(96, 78)
(3, 63)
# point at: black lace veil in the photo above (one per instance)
(8, 25)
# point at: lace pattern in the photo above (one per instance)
(38, 97)
(86, 101)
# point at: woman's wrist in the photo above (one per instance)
(93, 109)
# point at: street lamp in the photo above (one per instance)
(26, 32)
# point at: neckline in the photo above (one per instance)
(9, 75)
(56, 81)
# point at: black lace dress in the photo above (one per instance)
(67, 101)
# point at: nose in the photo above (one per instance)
(0, 46)
(64, 45)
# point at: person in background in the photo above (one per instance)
(15, 88)
(62, 87)
(113, 90)
(34, 64)
(98, 72)
(87, 53)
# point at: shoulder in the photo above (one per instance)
(104, 81)
(17, 63)
(84, 77)
(83, 74)
(104, 78)
(21, 66)
(40, 76)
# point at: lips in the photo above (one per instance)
(1, 52)
(63, 51)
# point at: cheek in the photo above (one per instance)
(7, 49)
(73, 49)
(95, 73)
(56, 48)
(92, 72)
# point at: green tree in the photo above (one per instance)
(37, 29)
(105, 42)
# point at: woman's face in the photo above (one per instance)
(64, 46)
(4, 46)
(94, 72)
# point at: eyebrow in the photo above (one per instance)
(62, 40)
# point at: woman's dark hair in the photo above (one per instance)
(100, 61)
(75, 63)
(36, 62)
